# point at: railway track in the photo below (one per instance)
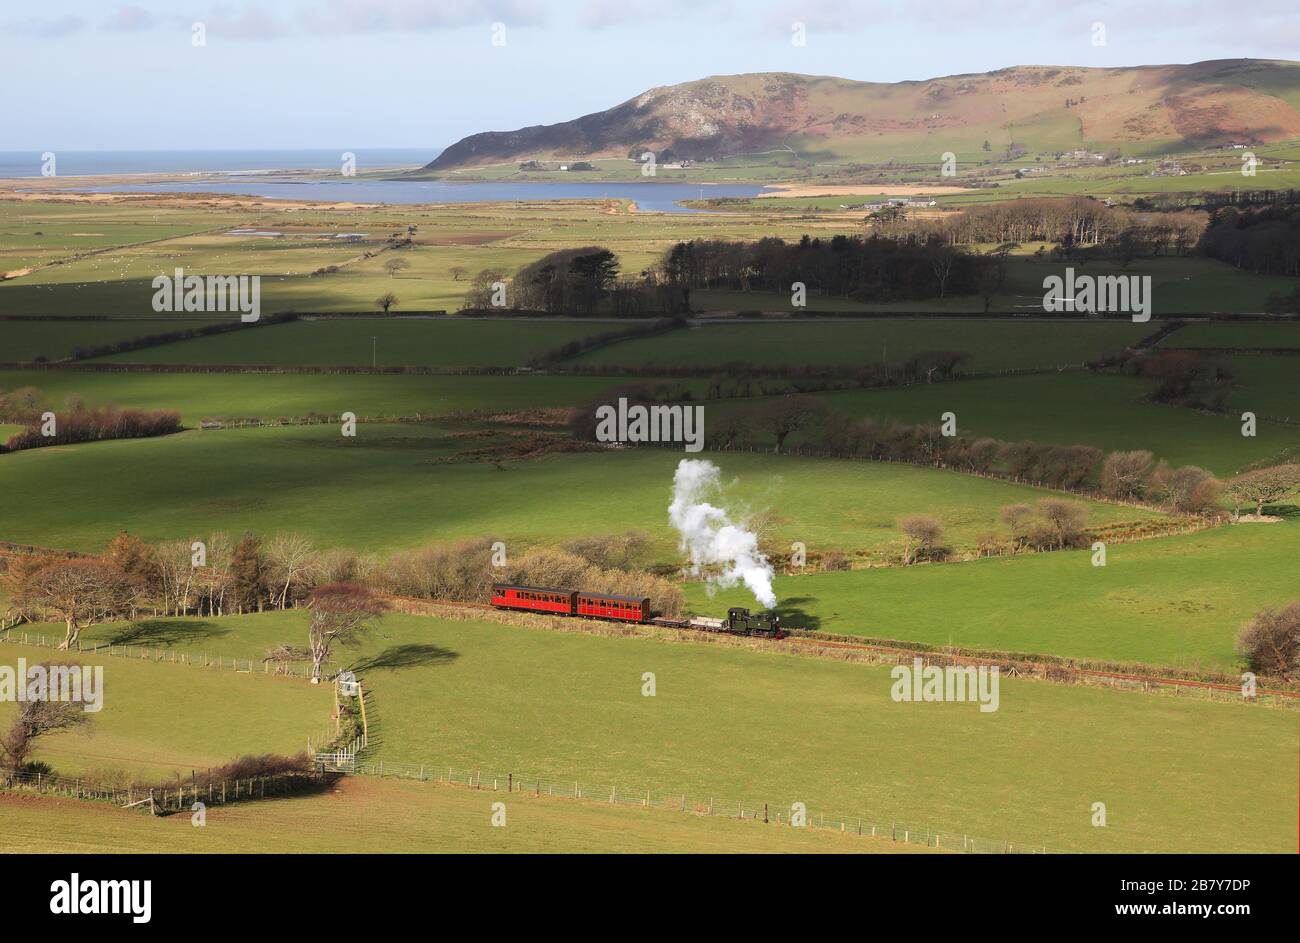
(811, 641)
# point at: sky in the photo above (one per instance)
(352, 74)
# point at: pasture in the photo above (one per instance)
(199, 396)
(164, 719)
(57, 339)
(1177, 601)
(1266, 385)
(386, 342)
(1068, 408)
(395, 486)
(1236, 334)
(733, 721)
(761, 726)
(384, 816)
(991, 344)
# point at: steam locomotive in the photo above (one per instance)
(614, 608)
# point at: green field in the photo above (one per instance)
(295, 264)
(198, 396)
(391, 342)
(735, 721)
(373, 816)
(1236, 334)
(160, 719)
(1177, 601)
(991, 345)
(38, 233)
(759, 726)
(1108, 412)
(1266, 385)
(56, 339)
(390, 488)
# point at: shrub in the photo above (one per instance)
(1188, 490)
(1270, 643)
(922, 538)
(1124, 475)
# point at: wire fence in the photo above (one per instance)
(791, 814)
(159, 800)
(267, 666)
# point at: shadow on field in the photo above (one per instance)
(166, 632)
(793, 617)
(407, 656)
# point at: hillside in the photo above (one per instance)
(1140, 109)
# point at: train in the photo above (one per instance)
(636, 609)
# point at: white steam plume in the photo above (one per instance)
(710, 537)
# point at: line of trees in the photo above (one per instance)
(1265, 241)
(217, 576)
(84, 424)
(76, 422)
(1073, 222)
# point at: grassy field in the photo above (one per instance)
(1109, 412)
(391, 342)
(374, 816)
(761, 726)
(1177, 601)
(1266, 385)
(730, 721)
(160, 719)
(1236, 334)
(54, 340)
(38, 233)
(391, 487)
(992, 345)
(468, 237)
(198, 396)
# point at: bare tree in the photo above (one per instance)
(1188, 489)
(176, 564)
(922, 536)
(81, 592)
(395, 265)
(1264, 486)
(458, 272)
(292, 561)
(340, 614)
(1125, 475)
(386, 301)
(787, 414)
(218, 574)
(1065, 518)
(35, 719)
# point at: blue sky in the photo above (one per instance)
(89, 74)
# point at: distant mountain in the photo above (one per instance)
(1139, 109)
